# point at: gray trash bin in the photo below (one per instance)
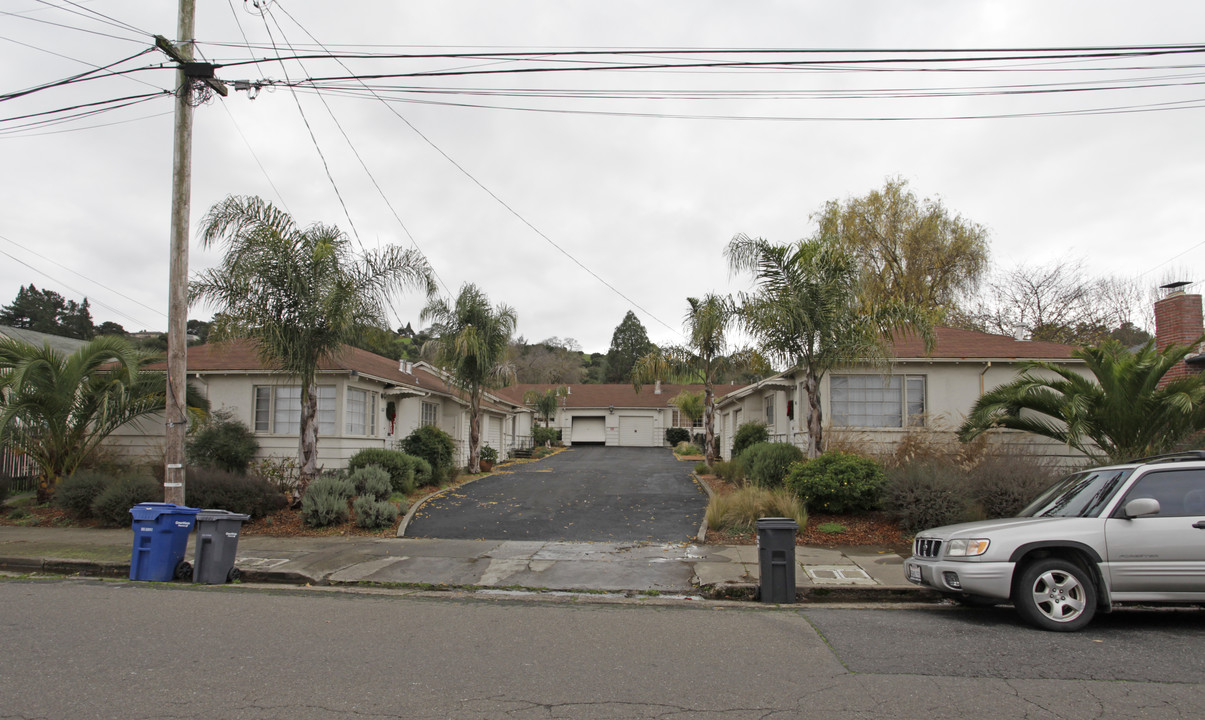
(216, 545)
(776, 559)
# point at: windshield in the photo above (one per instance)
(1083, 494)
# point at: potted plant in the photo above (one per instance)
(489, 456)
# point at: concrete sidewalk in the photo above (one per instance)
(722, 571)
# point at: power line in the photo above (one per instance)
(85, 277)
(371, 177)
(69, 287)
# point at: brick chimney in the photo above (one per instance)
(1178, 321)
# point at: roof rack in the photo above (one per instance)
(1171, 457)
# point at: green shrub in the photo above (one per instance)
(4, 485)
(225, 443)
(372, 513)
(422, 471)
(701, 468)
(739, 511)
(685, 448)
(325, 501)
(78, 491)
(436, 447)
(223, 490)
(545, 436)
(488, 454)
(674, 436)
(924, 495)
(749, 434)
(1003, 485)
(730, 471)
(396, 463)
(112, 506)
(838, 482)
(767, 463)
(372, 482)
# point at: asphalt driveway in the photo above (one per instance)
(583, 494)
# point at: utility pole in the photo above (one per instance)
(177, 306)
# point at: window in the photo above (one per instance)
(878, 400)
(769, 404)
(278, 409)
(361, 412)
(1181, 493)
(680, 420)
(429, 416)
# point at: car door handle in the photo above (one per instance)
(1199, 525)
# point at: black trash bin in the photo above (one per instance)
(776, 559)
(216, 545)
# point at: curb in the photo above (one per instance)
(61, 566)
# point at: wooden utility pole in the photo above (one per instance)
(177, 305)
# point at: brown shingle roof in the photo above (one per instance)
(238, 356)
(954, 344)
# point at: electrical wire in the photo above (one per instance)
(72, 289)
(371, 177)
(314, 141)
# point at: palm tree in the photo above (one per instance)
(807, 313)
(703, 358)
(471, 342)
(1122, 412)
(300, 293)
(58, 408)
(546, 402)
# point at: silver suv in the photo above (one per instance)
(1133, 532)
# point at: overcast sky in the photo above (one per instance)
(642, 188)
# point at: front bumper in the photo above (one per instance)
(989, 579)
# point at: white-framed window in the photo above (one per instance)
(768, 401)
(877, 400)
(361, 412)
(430, 415)
(278, 409)
(680, 420)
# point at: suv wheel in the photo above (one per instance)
(1055, 594)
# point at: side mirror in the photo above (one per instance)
(1141, 506)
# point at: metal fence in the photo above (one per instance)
(16, 467)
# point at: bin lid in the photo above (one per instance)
(211, 514)
(152, 510)
(777, 523)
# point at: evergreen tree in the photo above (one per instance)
(629, 343)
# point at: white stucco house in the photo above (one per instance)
(364, 401)
(616, 414)
(873, 406)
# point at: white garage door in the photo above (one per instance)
(589, 430)
(493, 436)
(636, 431)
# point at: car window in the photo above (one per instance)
(1080, 495)
(1180, 492)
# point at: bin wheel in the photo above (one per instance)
(233, 575)
(183, 570)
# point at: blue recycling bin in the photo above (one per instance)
(161, 533)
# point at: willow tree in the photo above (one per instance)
(1123, 411)
(57, 408)
(471, 340)
(806, 311)
(703, 358)
(909, 251)
(301, 293)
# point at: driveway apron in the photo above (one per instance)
(584, 494)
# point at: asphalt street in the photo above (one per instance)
(584, 494)
(114, 649)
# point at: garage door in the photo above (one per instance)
(493, 436)
(589, 430)
(636, 431)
